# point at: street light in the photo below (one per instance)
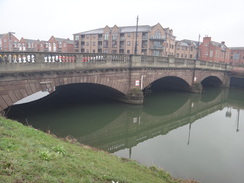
(136, 35)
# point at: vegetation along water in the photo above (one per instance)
(188, 135)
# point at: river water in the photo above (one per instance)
(189, 135)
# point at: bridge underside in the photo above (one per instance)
(212, 81)
(169, 83)
(121, 84)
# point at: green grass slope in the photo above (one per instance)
(29, 155)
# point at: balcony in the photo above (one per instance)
(122, 46)
(157, 38)
(144, 37)
(158, 47)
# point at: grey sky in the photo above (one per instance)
(223, 20)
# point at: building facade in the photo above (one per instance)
(186, 49)
(214, 51)
(29, 45)
(237, 56)
(144, 39)
(8, 42)
(59, 45)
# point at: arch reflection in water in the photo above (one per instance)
(200, 138)
(110, 125)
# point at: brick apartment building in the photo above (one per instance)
(237, 55)
(214, 51)
(151, 40)
(8, 42)
(60, 45)
(186, 49)
(29, 45)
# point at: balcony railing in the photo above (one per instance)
(157, 38)
(158, 47)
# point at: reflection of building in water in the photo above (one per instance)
(137, 125)
(228, 112)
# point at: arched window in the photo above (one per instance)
(157, 34)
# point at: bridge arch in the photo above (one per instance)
(211, 78)
(181, 78)
(212, 81)
(27, 84)
(169, 82)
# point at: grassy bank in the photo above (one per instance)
(29, 155)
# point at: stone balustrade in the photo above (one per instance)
(37, 61)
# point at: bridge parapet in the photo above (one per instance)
(45, 61)
(36, 61)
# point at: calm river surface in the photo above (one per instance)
(191, 136)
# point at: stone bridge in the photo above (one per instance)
(25, 73)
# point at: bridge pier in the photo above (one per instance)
(134, 96)
(196, 88)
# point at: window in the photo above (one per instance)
(76, 37)
(87, 43)
(106, 36)
(157, 34)
(128, 43)
(94, 43)
(114, 44)
(115, 35)
(211, 53)
(128, 34)
(236, 56)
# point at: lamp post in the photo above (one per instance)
(197, 54)
(136, 35)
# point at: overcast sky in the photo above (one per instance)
(223, 20)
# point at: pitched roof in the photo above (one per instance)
(94, 31)
(123, 29)
(237, 48)
(65, 40)
(187, 42)
(30, 40)
(141, 28)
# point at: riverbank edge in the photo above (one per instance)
(29, 155)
